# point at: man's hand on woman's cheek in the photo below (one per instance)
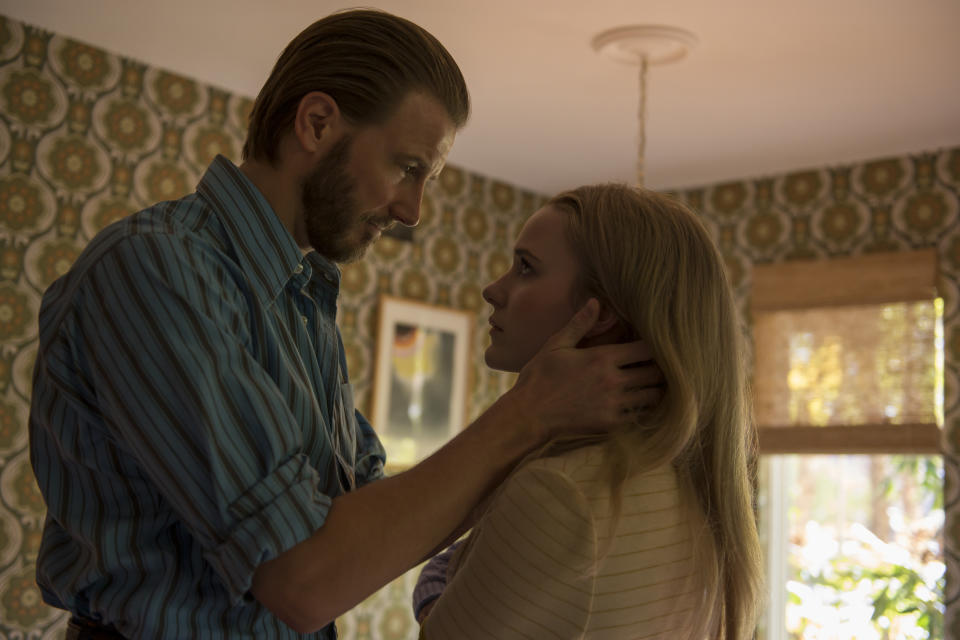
(565, 389)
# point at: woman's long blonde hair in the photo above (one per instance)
(652, 261)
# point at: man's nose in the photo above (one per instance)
(406, 208)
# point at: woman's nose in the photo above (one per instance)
(490, 293)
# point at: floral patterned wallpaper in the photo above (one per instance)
(87, 137)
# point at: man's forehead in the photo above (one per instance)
(420, 118)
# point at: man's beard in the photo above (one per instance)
(331, 215)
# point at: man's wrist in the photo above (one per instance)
(521, 428)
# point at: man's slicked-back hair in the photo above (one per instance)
(367, 61)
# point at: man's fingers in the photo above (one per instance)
(567, 388)
(631, 404)
(643, 398)
(624, 355)
(577, 327)
(640, 375)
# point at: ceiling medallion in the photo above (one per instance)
(657, 44)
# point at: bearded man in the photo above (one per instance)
(192, 429)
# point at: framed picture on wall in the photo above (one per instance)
(420, 382)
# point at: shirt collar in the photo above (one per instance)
(265, 249)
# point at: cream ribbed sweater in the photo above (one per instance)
(526, 575)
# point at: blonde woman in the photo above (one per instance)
(648, 531)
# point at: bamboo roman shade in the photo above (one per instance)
(845, 355)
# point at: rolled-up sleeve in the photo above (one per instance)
(274, 515)
(371, 455)
(175, 354)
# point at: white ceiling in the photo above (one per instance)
(772, 86)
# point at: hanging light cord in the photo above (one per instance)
(641, 121)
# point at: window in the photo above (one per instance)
(848, 400)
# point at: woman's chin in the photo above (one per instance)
(497, 362)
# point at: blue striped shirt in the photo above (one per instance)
(191, 415)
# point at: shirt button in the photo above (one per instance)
(298, 268)
(304, 319)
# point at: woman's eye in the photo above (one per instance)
(523, 267)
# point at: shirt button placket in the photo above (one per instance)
(302, 285)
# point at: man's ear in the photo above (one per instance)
(317, 117)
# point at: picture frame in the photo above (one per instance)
(421, 378)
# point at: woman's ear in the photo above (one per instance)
(317, 117)
(607, 323)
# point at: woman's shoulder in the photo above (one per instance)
(591, 464)
(555, 491)
(584, 471)
(578, 465)
(540, 506)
